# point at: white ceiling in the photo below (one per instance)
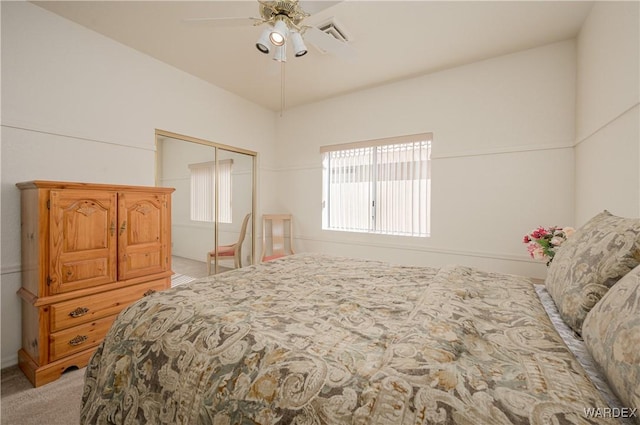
(394, 40)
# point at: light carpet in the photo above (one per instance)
(56, 403)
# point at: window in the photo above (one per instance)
(203, 181)
(380, 186)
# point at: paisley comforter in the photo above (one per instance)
(313, 339)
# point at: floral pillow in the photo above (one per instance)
(611, 332)
(601, 252)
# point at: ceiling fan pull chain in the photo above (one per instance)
(282, 88)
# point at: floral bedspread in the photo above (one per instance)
(314, 339)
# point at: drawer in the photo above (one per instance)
(78, 338)
(93, 307)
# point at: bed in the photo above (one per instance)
(318, 339)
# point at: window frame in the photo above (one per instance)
(404, 221)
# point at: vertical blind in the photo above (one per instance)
(203, 191)
(380, 186)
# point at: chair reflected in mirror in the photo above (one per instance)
(230, 251)
(277, 236)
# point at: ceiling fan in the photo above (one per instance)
(285, 25)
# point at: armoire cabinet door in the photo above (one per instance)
(83, 239)
(143, 234)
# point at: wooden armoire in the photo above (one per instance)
(88, 251)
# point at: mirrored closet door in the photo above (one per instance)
(213, 204)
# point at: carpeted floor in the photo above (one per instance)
(56, 403)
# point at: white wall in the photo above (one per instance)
(608, 114)
(77, 106)
(502, 158)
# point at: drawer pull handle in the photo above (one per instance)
(149, 292)
(78, 340)
(79, 312)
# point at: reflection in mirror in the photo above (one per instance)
(190, 166)
(235, 204)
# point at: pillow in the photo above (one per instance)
(611, 333)
(588, 263)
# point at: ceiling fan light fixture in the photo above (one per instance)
(299, 49)
(279, 33)
(263, 42)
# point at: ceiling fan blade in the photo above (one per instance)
(329, 43)
(225, 22)
(314, 6)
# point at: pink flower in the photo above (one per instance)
(542, 242)
(556, 241)
(539, 233)
(536, 251)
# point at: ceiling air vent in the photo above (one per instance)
(334, 29)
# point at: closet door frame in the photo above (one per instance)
(160, 134)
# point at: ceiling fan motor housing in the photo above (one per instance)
(272, 10)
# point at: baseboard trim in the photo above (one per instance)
(9, 361)
(443, 251)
